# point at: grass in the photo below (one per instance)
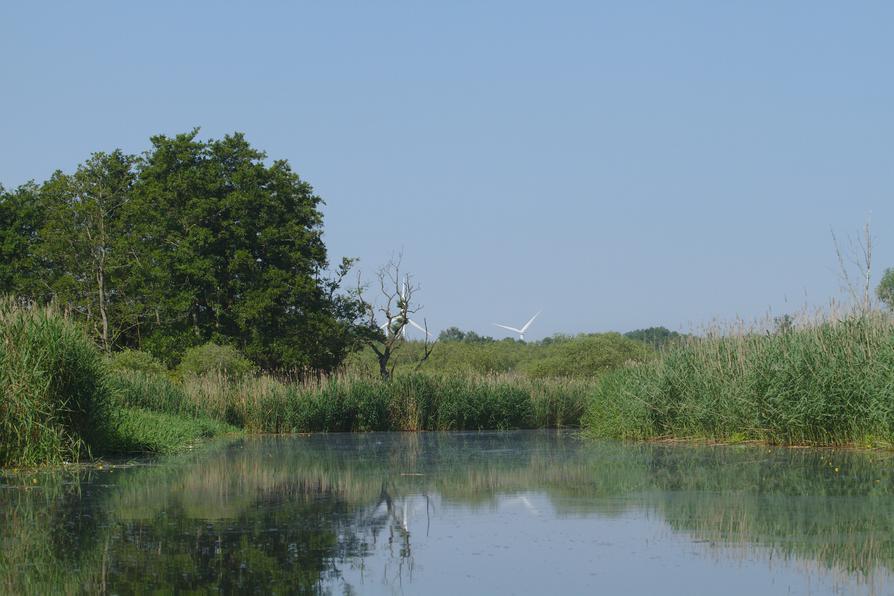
(407, 403)
(54, 393)
(827, 383)
(134, 430)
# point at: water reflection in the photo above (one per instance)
(435, 512)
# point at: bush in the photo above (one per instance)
(214, 358)
(135, 360)
(588, 356)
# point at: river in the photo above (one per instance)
(528, 512)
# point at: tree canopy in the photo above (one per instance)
(193, 241)
(656, 337)
(885, 289)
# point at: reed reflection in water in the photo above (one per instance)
(444, 512)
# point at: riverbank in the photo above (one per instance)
(59, 404)
(830, 383)
(64, 401)
(352, 404)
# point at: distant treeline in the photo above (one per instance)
(584, 355)
(192, 241)
(657, 337)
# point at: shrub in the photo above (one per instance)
(135, 360)
(588, 356)
(214, 358)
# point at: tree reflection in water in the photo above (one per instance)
(288, 514)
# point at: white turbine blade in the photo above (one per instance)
(509, 328)
(525, 502)
(418, 326)
(528, 324)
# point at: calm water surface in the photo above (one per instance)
(449, 513)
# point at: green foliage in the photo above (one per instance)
(212, 358)
(657, 337)
(59, 403)
(587, 356)
(581, 356)
(231, 247)
(84, 241)
(135, 360)
(456, 334)
(133, 430)
(827, 384)
(885, 289)
(150, 391)
(54, 391)
(408, 402)
(194, 241)
(451, 334)
(21, 216)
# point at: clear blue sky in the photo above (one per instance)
(618, 165)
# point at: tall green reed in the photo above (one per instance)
(54, 392)
(826, 382)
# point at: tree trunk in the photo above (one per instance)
(383, 365)
(104, 316)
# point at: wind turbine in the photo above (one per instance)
(521, 332)
(403, 329)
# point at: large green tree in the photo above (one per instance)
(81, 240)
(21, 217)
(230, 249)
(191, 242)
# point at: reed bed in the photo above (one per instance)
(828, 382)
(59, 403)
(52, 380)
(344, 403)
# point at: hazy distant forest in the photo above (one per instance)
(200, 241)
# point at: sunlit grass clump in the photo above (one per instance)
(829, 382)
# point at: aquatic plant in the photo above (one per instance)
(54, 392)
(825, 382)
(407, 402)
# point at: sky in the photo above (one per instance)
(616, 165)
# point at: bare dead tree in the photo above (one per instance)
(857, 256)
(392, 314)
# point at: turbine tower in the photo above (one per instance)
(521, 332)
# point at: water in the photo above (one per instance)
(448, 513)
